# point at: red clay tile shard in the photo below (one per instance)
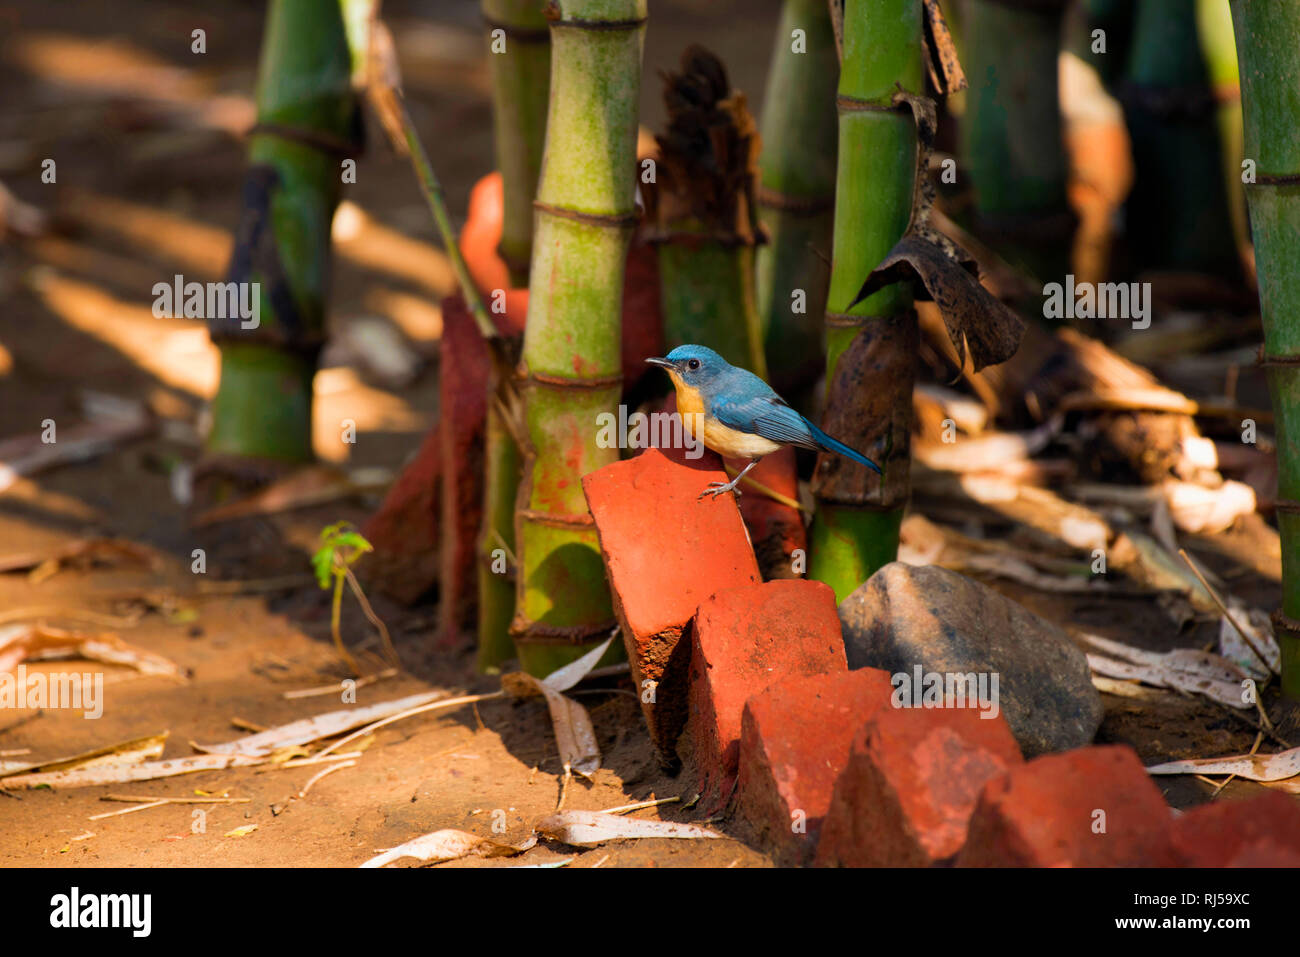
(744, 641)
(795, 740)
(1263, 831)
(1092, 807)
(912, 782)
(665, 551)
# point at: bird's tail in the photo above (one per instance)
(835, 445)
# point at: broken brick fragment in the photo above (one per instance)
(1091, 807)
(795, 741)
(1262, 831)
(911, 783)
(743, 641)
(665, 551)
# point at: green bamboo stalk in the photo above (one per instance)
(519, 59)
(707, 297)
(874, 183)
(1177, 214)
(1214, 27)
(520, 96)
(797, 195)
(1011, 136)
(496, 587)
(308, 120)
(701, 214)
(1269, 57)
(571, 365)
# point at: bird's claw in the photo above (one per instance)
(717, 488)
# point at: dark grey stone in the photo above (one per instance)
(904, 616)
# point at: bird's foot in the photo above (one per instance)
(717, 488)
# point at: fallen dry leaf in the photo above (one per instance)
(82, 551)
(988, 452)
(1184, 669)
(28, 454)
(121, 773)
(303, 488)
(19, 643)
(575, 738)
(131, 751)
(1240, 650)
(1252, 767)
(589, 828)
(325, 725)
(449, 844)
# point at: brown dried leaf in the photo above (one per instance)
(975, 320)
(589, 828)
(449, 844)
(122, 773)
(20, 643)
(945, 69)
(1252, 767)
(707, 166)
(320, 726)
(575, 738)
(302, 488)
(82, 551)
(947, 274)
(133, 751)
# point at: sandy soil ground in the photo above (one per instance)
(148, 174)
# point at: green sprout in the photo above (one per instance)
(341, 547)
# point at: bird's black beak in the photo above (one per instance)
(664, 363)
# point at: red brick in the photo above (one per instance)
(911, 784)
(404, 531)
(1263, 831)
(744, 641)
(1043, 814)
(665, 551)
(777, 530)
(795, 739)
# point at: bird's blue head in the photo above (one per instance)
(696, 366)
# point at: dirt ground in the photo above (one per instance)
(148, 173)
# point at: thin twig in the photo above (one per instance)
(564, 787)
(128, 810)
(433, 195)
(1182, 552)
(175, 800)
(337, 686)
(322, 772)
(370, 613)
(624, 809)
(304, 762)
(433, 706)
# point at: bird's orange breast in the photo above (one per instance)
(705, 428)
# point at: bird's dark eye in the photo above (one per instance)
(692, 364)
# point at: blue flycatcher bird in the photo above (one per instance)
(736, 414)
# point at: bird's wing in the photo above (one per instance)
(764, 414)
